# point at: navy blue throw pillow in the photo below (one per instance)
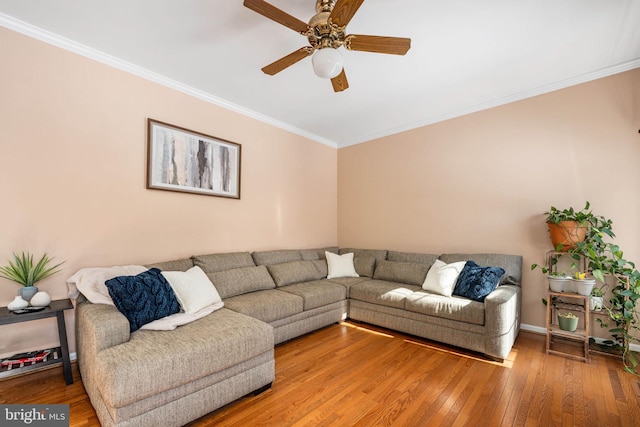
(475, 282)
(143, 298)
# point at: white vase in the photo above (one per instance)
(41, 299)
(17, 304)
(596, 303)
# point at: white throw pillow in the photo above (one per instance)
(340, 265)
(193, 289)
(442, 277)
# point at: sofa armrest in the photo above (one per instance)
(99, 326)
(502, 309)
(502, 320)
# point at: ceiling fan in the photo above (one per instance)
(326, 33)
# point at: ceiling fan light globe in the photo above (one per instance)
(327, 62)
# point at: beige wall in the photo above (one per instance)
(481, 182)
(72, 176)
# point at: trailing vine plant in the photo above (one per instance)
(606, 259)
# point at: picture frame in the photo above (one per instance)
(180, 159)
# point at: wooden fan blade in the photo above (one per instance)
(340, 82)
(344, 10)
(378, 44)
(275, 14)
(287, 61)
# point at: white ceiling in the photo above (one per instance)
(466, 55)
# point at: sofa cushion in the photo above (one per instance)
(512, 264)
(348, 282)
(174, 265)
(276, 257)
(340, 265)
(418, 258)
(238, 281)
(224, 261)
(403, 272)
(314, 254)
(441, 278)
(452, 308)
(476, 282)
(143, 298)
(268, 306)
(317, 293)
(365, 260)
(193, 289)
(157, 361)
(381, 292)
(287, 273)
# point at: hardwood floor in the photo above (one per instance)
(355, 374)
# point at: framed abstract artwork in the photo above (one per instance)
(179, 159)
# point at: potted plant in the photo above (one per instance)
(558, 281)
(596, 299)
(604, 258)
(27, 273)
(567, 227)
(568, 321)
(583, 285)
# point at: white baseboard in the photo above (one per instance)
(543, 331)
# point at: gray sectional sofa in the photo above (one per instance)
(169, 378)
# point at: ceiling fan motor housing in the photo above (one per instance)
(323, 33)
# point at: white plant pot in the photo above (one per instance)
(559, 284)
(584, 286)
(596, 303)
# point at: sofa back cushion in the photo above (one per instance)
(287, 273)
(364, 260)
(174, 265)
(315, 254)
(512, 264)
(427, 259)
(276, 257)
(410, 273)
(238, 281)
(321, 265)
(223, 261)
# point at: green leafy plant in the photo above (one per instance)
(23, 270)
(606, 259)
(568, 315)
(556, 216)
(598, 291)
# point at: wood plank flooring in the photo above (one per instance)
(353, 374)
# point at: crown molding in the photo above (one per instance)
(584, 78)
(104, 58)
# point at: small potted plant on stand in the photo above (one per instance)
(596, 299)
(558, 281)
(27, 273)
(568, 321)
(583, 284)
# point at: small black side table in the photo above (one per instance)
(55, 309)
